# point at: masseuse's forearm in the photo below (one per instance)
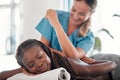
(67, 47)
(6, 74)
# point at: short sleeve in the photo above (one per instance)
(45, 29)
(87, 42)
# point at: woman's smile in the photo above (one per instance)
(42, 68)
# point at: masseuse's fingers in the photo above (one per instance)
(50, 13)
(88, 60)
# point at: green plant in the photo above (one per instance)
(98, 43)
(116, 15)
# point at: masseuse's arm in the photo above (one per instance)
(85, 58)
(70, 54)
(47, 43)
(67, 47)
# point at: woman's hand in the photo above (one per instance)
(51, 15)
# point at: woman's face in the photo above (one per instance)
(36, 60)
(79, 13)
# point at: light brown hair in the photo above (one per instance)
(86, 25)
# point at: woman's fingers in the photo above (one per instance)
(50, 13)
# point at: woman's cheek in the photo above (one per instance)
(33, 70)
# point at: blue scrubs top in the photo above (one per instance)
(48, 32)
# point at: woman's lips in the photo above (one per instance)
(43, 68)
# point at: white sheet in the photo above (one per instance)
(56, 74)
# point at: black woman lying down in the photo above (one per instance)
(35, 58)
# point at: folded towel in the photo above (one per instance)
(56, 74)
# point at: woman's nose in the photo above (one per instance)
(76, 17)
(39, 63)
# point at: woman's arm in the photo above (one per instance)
(98, 68)
(6, 74)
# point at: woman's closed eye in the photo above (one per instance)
(40, 55)
(82, 14)
(73, 9)
(31, 64)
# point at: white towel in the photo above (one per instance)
(56, 74)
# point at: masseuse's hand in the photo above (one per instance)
(51, 15)
(88, 60)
